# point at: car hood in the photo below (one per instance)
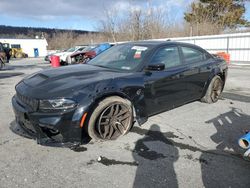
(62, 53)
(65, 80)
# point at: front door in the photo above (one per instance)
(166, 89)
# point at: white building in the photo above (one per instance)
(32, 47)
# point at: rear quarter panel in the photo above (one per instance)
(219, 67)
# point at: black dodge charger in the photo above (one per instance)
(127, 83)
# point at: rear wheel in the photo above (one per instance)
(112, 118)
(214, 90)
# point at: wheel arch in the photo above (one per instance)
(94, 104)
(222, 75)
(137, 111)
(216, 72)
(106, 95)
(100, 106)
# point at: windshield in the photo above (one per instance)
(71, 49)
(88, 48)
(121, 57)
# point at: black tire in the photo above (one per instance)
(214, 90)
(113, 117)
(63, 63)
(1, 64)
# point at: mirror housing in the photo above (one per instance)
(156, 67)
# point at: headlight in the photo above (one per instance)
(58, 104)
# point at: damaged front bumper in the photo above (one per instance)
(50, 129)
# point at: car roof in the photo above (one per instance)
(155, 43)
(161, 43)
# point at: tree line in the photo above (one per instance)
(203, 17)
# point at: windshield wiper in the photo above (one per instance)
(99, 66)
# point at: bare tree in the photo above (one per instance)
(68, 39)
(137, 24)
(109, 26)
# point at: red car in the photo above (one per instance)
(88, 53)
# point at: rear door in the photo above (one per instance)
(199, 64)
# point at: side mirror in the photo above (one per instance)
(156, 67)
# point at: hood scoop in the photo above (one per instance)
(36, 79)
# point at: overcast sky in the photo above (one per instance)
(77, 14)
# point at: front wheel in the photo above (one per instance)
(112, 118)
(214, 90)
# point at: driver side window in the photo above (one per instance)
(169, 56)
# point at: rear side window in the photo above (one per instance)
(168, 56)
(192, 55)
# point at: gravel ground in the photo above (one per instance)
(191, 146)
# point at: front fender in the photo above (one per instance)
(130, 88)
(133, 88)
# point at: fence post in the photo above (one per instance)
(227, 44)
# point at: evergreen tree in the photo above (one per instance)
(221, 13)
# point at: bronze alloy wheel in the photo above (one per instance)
(216, 90)
(113, 117)
(113, 121)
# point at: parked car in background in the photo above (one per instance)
(88, 53)
(48, 56)
(128, 82)
(63, 55)
(77, 56)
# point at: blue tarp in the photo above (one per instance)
(102, 47)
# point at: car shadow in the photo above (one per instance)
(10, 74)
(157, 152)
(223, 171)
(10, 67)
(236, 97)
(155, 155)
(230, 126)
